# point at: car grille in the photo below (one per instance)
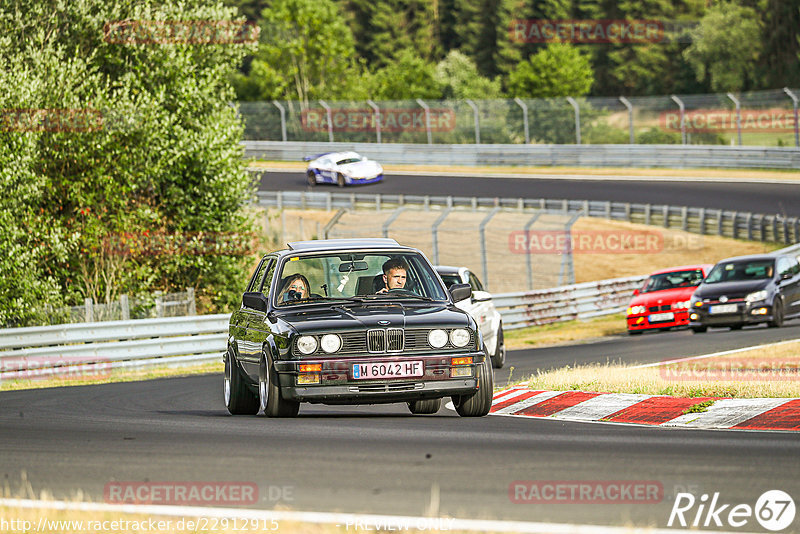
(386, 388)
(663, 307)
(388, 340)
(381, 340)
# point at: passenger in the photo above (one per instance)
(394, 275)
(295, 287)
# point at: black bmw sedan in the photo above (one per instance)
(747, 290)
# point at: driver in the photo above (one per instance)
(394, 275)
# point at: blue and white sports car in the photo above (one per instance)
(342, 168)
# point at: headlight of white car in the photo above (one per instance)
(756, 296)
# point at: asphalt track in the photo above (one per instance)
(765, 198)
(379, 459)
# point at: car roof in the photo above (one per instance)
(340, 155)
(448, 269)
(705, 266)
(752, 257)
(345, 244)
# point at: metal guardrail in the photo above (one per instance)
(703, 221)
(672, 156)
(69, 348)
(566, 303)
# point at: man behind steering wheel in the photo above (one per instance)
(394, 275)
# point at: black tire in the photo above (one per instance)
(635, 332)
(238, 398)
(777, 314)
(736, 326)
(699, 329)
(425, 407)
(340, 179)
(479, 403)
(499, 356)
(270, 400)
(312, 178)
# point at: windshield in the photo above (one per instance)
(348, 160)
(741, 271)
(660, 282)
(337, 275)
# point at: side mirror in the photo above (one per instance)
(786, 276)
(460, 292)
(635, 292)
(255, 300)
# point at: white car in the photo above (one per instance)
(481, 308)
(342, 168)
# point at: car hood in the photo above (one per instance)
(665, 296)
(360, 167)
(732, 290)
(373, 315)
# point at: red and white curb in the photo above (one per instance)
(655, 410)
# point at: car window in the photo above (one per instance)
(258, 275)
(784, 266)
(660, 282)
(740, 271)
(475, 283)
(795, 266)
(450, 279)
(338, 275)
(348, 160)
(266, 283)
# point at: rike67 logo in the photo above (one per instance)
(774, 510)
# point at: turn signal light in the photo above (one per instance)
(308, 378)
(310, 367)
(466, 360)
(460, 371)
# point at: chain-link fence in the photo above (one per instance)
(152, 306)
(757, 118)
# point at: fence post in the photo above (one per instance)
(666, 216)
(567, 269)
(647, 208)
(628, 211)
(159, 305)
(577, 119)
(482, 231)
(435, 234)
(427, 119)
(283, 119)
(528, 262)
(608, 210)
(683, 117)
(748, 221)
(524, 107)
(333, 221)
(377, 110)
(475, 114)
(89, 309)
(628, 105)
(330, 119)
(796, 123)
(124, 307)
(738, 117)
(735, 225)
(393, 217)
(190, 298)
(702, 221)
(719, 221)
(685, 219)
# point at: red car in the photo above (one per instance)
(663, 300)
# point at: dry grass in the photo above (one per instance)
(762, 174)
(566, 332)
(772, 371)
(116, 375)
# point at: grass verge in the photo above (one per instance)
(565, 332)
(772, 371)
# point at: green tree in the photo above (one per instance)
(726, 47)
(558, 70)
(409, 76)
(781, 52)
(459, 79)
(484, 34)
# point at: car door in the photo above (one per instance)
(238, 324)
(326, 166)
(789, 280)
(483, 308)
(255, 326)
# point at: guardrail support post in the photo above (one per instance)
(125, 307)
(528, 262)
(702, 221)
(796, 123)
(647, 209)
(683, 117)
(738, 116)
(476, 117)
(377, 116)
(482, 231)
(748, 220)
(577, 119)
(719, 222)
(628, 105)
(190, 298)
(330, 119)
(283, 119)
(89, 309)
(427, 119)
(159, 305)
(734, 225)
(391, 219)
(666, 216)
(435, 234)
(685, 219)
(328, 201)
(524, 107)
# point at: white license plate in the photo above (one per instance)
(661, 317)
(723, 308)
(388, 370)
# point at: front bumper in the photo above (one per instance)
(643, 321)
(746, 313)
(364, 180)
(338, 386)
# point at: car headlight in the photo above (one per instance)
(307, 344)
(681, 305)
(756, 296)
(636, 310)
(331, 343)
(437, 338)
(459, 337)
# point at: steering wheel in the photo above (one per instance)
(401, 291)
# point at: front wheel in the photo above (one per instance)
(699, 329)
(499, 356)
(312, 178)
(479, 403)
(777, 314)
(270, 399)
(238, 398)
(425, 407)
